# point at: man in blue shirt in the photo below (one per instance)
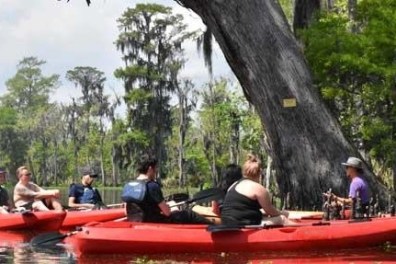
(83, 195)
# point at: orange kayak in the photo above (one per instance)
(37, 221)
(79, 218)
(154, 238)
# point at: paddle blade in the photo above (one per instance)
(208, 195)
(177, 197)
(49, 239)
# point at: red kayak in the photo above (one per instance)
(79, 218)
(11, 238)
(37, 221)
(146, 238)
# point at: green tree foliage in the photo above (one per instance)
(28, 90)
(95, 105)
(151, 43)
(354, 65)
(12, 147)
(226, 124)
(28, 94)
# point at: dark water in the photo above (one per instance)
(23, 253)
(15, 248)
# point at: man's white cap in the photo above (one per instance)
(353, 162)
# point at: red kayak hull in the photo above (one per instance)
(11, 238)
(37, 221)
(79, 218)
(144, 238)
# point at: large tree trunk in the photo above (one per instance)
(305, 142)
(304, 11)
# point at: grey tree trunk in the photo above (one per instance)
(352, 14)
(182, 134)
(114, 180)
(305, 142)
(304, 11)
(394, 177)
(268, 173)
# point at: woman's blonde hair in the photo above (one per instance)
(18, 171)
(252, 167)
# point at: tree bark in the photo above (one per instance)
(352, 15)
(304, 11)
(183, 104)
(305, 142)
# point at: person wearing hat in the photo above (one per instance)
(28, 195)
(83, 195)
(354, 172)
(4, 198)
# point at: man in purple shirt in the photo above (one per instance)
(354, 172)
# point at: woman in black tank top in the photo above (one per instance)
(245, 199)
(239, 209)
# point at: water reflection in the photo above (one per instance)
(360, 256)
(23, 253)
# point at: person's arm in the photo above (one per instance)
(263, 197)
(33, 191)
(6, 198)
(72, 203)
(156, 195)
(341, 200)
(165, 209)
(99, 197)
(215, 207)
(46, 194)
(338, 199)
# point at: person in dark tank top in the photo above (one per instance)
(246, 198)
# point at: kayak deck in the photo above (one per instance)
(79, 218)
(38, 221)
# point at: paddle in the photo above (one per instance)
(50, 239)
(177, 197)
(222, 228)
(204, 196)
(98, 206)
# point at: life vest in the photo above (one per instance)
(89, 195)
(134, 191)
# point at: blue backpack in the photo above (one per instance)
(134, 191)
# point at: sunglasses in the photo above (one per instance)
(27, 174)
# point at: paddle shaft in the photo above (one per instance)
(221, 228)
(50, 239)
(188, 201)
(121, 205)
(207, 195)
